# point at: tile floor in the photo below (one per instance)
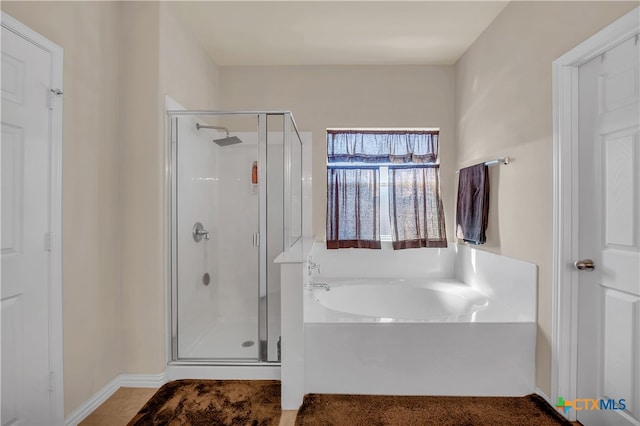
(125, 403)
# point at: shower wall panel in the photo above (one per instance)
(197, 187)
(237, 221)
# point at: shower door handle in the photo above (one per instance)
(256, 239)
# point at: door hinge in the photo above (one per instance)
(52, 381)
(53, 94)
(48, 241)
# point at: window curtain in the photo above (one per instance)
(415, 207)
(382, 146)
(353, 207)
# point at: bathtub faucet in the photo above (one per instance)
(310, 286)
(312, 266)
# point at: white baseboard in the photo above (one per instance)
(543, 395)
(122, 380)
(143, 380)
(570, 416)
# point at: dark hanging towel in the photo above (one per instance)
(472, 213)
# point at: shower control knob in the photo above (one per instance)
(585, 265)
(199, 232)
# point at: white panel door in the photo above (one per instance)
(25, 276)
(609, 181)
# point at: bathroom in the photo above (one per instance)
(116, 268)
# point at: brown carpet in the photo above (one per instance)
(213, 402)
(370, 410)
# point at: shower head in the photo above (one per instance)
(227, 140)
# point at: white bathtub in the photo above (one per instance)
(396, 300)
(415, 337)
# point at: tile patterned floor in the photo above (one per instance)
(125, 403)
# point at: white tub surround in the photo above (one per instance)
(509, 283)
(292, 328)
(474, 336)
(291, 263)
(468, 359)
(385, 263)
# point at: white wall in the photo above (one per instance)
(141, 191)
(504, 107)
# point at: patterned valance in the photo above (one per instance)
(393, 146)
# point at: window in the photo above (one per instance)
(384, 184)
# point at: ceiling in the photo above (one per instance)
(336, 32)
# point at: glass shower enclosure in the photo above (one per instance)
(235, 205)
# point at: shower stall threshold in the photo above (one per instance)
(237, 371)
(224, 362)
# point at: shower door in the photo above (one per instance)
(216, 239)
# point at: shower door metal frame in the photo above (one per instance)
(171, 184)
(286, 150)
(263, 238)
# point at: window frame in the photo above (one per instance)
(385, 220)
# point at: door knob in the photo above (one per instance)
(585, 265)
